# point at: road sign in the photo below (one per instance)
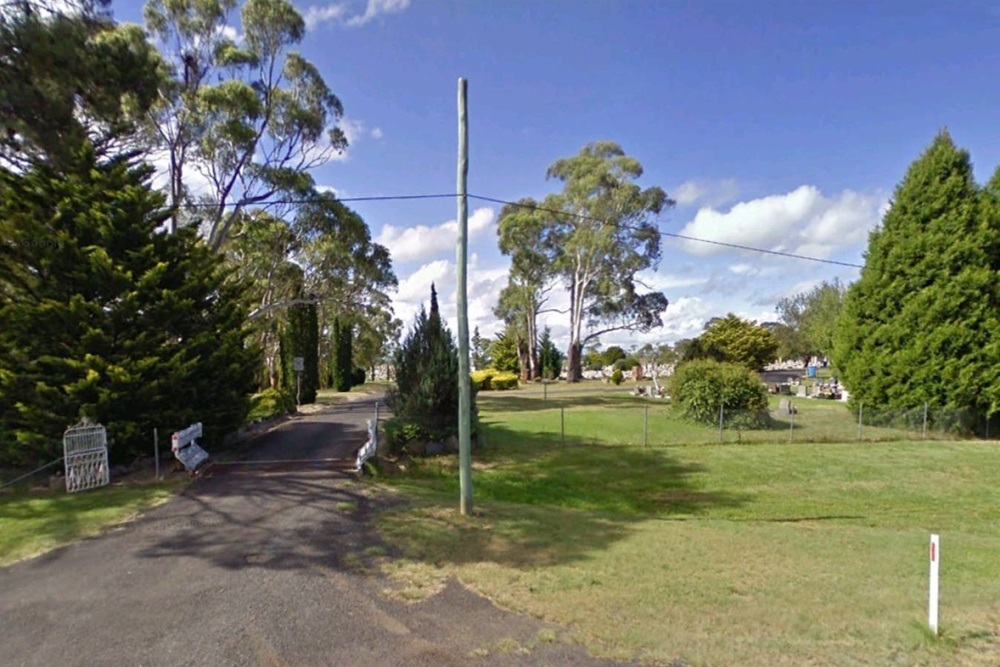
(298, 364)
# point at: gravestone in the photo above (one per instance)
(786, 407)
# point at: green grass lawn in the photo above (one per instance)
(32, 523)
(761, 554)
(597, 413)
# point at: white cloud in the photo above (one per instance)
(416, 288)
(317, 14)
(708, 193)
(666, 281)
(803, 222)
(421, 242)
(377, 133)
(376, 8)
(338, 12)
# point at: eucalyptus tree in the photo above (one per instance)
(595, 237)
(242, 117)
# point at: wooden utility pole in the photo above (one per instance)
(461, 261)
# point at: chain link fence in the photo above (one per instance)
(661, 424)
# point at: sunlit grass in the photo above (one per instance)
(32, 523)
(733, 554)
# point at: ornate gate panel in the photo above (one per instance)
(85, 448)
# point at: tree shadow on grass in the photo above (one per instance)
(542, 504)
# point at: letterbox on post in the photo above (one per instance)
(186, 450)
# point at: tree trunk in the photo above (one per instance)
(574, 372)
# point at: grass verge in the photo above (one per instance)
(32, 523)
(771, 554)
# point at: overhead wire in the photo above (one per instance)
(494, 200)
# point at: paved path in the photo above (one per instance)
(257, 566)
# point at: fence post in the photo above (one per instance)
(720, 422)
(645, 425)
(156, 452)
(375, 432)
(562, 424)
(791, 427)
(861, 412)
(925, 420)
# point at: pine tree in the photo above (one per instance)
(549, 357)
(341, 354)
(921, 323)
(300, 338)
(106, 318)
(427, 374)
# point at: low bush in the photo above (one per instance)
(617, 376)
(502, 381)
(700, 387)
(270, 403)
(493, 379)
(400, 432)
(358, 377)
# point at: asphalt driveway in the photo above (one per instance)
(260, 563)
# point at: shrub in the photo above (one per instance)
(481, 379)
(502, 381)
(400, 432)
(617, 376)
(270, 403)
(493, 379)
(700, 387)
(358, 377)
(426, 366)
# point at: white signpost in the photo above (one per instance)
(85, 452)
(932, 598)
(186, 450)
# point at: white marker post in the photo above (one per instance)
(932, 601)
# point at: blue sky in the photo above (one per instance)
(782, 125)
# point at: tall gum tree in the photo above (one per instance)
(242, 112)
(596, 236)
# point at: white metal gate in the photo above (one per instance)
(85, 448)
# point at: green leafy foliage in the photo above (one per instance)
(809, 321)
(300, 338)
(921, 322)
(70, 78)
(250, 114)
(700, 387)
(504, 353)
(493, 379)
(480, 350)
(341, 358)
(401, 432)
(617, 377)
(426, 364)
(270, 403)
(550, 359)
(594, 237)
(104, 317)
(734, 340)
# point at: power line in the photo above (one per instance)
(493, 200)
(316, 200)
(676, 236)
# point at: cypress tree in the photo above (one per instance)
(342, 353)
(426, 367)
(300, 338)
(920, 323)
(107, 318)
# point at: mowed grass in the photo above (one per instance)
(598, 413)
(32, 523)
(732, 554)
